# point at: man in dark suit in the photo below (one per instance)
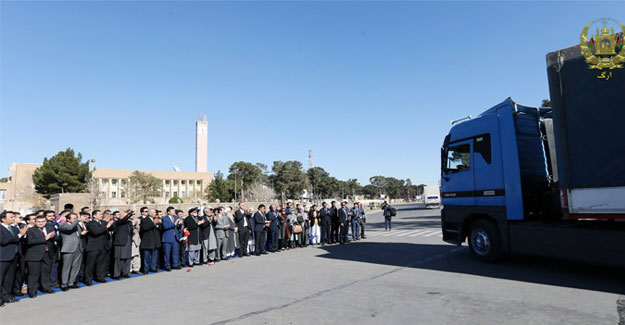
(274, 228)
(324, 216)
(334, 218)
(241, 219)
(150, 241)
(96, 241)
(20, 272)
(170, 239)
(53, 226)
(343, 214)
(39, 243)
(9, 247)
(260, 230)
(122, 244)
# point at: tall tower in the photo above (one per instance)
(201, 144)
(310, 159)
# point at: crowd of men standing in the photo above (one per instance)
(45, 250)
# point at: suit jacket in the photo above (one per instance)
(70, 236)
(324, 215)
(108, 238)
(150, 236)
(97, 236)
(220, 230)
(83, 238)
(205, 228)
(36, 245)
(259, 221)
(241, 218)
(170, 231)
(343, 214)
(122, 231)
(334, 216)
(55, 243)
(9, 243)
(194, 230)
(273, 217)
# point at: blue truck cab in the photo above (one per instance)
(490, 171)
(498, 191)
(542, 181)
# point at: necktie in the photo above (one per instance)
(12, 234)
(44, 236)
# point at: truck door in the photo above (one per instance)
(458, 184)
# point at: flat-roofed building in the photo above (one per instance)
(111, 186)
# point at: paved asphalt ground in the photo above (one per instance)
(407, 276)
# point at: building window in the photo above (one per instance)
(123, 183)
(103, 195)
(114, 182)
(198, 182)
(3, 195)
(114, 195)
(167, 183)
(175, 193)
(182, 194)
(105, 181)
(167, 194)
(191, 193)
(123, 194)
(183, 182)
(175, 183)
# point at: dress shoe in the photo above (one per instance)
(167, 270)
(88, 284)
(64, 288)
(32, 296)
(126, 276)
(56, 285)
(101, 280)
(48, 291)
(145, 272)
(74, 286)
(177, 268)
(18, 293)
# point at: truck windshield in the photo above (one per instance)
(458, 158)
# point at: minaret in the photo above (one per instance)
(201, 144)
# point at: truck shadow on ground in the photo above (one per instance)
(516, 268)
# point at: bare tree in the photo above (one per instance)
(259, 193)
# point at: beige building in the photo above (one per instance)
(110, 186)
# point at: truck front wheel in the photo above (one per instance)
(484, 240)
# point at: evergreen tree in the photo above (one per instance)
(62, 173)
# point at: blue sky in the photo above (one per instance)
(370, 87)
